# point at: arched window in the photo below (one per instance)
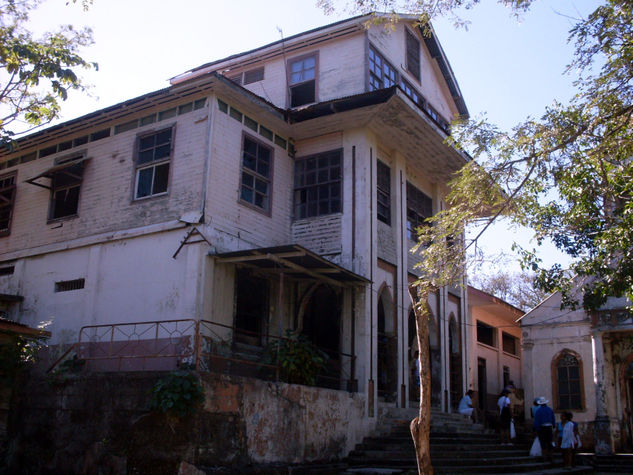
(567, 381)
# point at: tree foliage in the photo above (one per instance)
(516, 288)
(36, 74)
(567, 175)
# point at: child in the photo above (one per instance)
(568, 439)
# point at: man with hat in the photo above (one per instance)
(544, 422)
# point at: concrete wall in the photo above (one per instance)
(88, 424)
(128, 280)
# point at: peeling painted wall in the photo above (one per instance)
(92, 422)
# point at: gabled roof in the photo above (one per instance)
(330, 31)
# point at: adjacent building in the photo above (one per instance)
(582, 362)
(494, 334)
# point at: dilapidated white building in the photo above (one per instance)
(275, 189)
(582, 362)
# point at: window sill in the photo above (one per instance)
(150, 197)
(265, 212)
(488, 346)
(312, 218)
(512, 355)
(62, 219)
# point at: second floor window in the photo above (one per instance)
(510, 344)
(318, 185)
(381, 73)
(65, 187)
(419, 208)
(256, 171)
(383, 193)
(485, 334)
(152, 163)
(302, 73)
(7, 200)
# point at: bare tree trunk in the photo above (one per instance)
(421, 425)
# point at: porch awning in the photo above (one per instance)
(293, 260)
(62, 168)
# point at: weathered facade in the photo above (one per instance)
(583, 362)
(275, 189)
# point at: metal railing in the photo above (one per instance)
(196, 344)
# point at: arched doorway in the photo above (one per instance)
(455, 361)
(387, 348)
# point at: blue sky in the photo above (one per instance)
(506, 68)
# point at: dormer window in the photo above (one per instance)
(302, 73)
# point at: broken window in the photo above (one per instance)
(251, 307)
(152, 163)
(383, 193)
(302, 73)
(318, 185)
(381, 73)
(254, 75)
(64, 183)
(256, 170)
(413, 54)
(7, 200)
(419, 208)
(65, 186)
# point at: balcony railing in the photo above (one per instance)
(196, 344)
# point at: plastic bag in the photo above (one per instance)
(513, 432)
(535, 451)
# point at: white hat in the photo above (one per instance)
(541, 401)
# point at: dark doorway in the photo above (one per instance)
(387, 349)
(455, 362)
(482, 384)
(628, 414)
(251, 307)
(321, 320)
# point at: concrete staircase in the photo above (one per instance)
(615, 463)
(457, 447)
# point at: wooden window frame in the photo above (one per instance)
(56, 187)
(291, 84)
(153, 164)
(256, 175)
(7, 198)
(417, 213)
(383, 192)
(377, 64)
(253, 75)
(555, 386)
(302, 201)
(413, 66)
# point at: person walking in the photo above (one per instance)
(544, 422)
(569, 440)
